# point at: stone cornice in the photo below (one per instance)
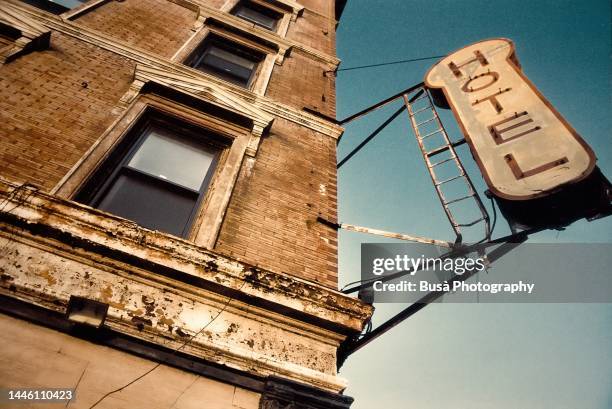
(115, 238)
(147, 59)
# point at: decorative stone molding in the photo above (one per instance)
(282, 393)
(265, 67)
(313, 302)
(131, 93)
(207, 91)
(30, 34)
(161, 289)
(204, 89)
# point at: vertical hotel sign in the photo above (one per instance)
(524, 147)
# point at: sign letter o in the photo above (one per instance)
(494, 77)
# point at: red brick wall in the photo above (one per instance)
(300, 83)
(47, 118)
(272, 217)
(315, 31)
(158, 26)
(215, 3)
(323, 7)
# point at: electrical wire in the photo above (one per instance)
(390, 63)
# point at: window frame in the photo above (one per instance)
(106, 175)
(256, 6)
(233, 47)
(237, 136)
(290, 10)
(53, 7)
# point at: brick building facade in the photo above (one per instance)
(167, 168)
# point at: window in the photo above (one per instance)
(55, 6)
(226, 60)
(157, 177)
(257, 14)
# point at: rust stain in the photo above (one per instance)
(106, 294)
(166, 321)
(116, 305)
(137, 312)
(149, 305)
(47, 275)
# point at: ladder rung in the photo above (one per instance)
(419, 98)
(471, 223)
(433, 165)
(421, 110)
(459, 199)
(444, 148)
(450, 179)
(426, 121)
(432, 133)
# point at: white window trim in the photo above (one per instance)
(208, 222)
(283, 24)
(264, 69)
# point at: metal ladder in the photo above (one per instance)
(417, 127)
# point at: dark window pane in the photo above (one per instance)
(55, 6)
(258, 16)
(149, 203)
(182, 161)
(156, 176)
(227, 65)
(69, 3)
(50, 6)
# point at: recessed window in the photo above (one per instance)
(55, 6)
(227, 60)
(157, 177)
(257, 14)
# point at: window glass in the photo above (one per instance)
(69, 3)
(257, 15)
(156, 176)
(226, 64)
(182, 161)
(149, 203)
(55, 6)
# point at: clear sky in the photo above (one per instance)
(472, 356)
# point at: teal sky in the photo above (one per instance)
(459, 355)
